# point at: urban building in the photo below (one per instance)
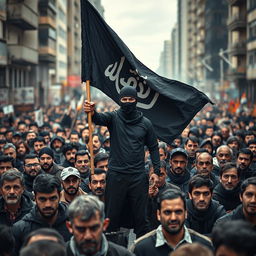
(165, 67)
(19, 51)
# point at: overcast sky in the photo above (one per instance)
(143, 25)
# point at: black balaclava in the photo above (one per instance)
(128, 107)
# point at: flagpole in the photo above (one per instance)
(89, 115)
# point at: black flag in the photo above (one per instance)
(109, 64)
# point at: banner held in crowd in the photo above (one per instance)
(109, 65)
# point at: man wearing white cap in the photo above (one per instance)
(70, 179)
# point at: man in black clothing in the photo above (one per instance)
(247, 210)
(202, 210)
(172, 232)
(69, 151)
(228, 190)
(129, 131)
(32, 168)
(191, 145)
(14, 203)
(87, 223)
(179, 175)
(252, 146)
(48, 211)
(244, 160)
(204, 167)
(56, 145)
(6, 163)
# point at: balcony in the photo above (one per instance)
(22, 16)
(238, 48)
(22, 54)
(237, 73)
(3, 54)
(236, 22)
(47, 20)
(236, 2)
(3, 10)
(44, 4)
(47, 54)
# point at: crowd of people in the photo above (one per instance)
(195, 196)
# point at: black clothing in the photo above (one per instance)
(203, 221)
(145, 245)
(191, 163)
(113, 250)
(128, 138)
(85, 182)
(66, 163)
(18, 164)
(216, 170)
(228, 198)
(126, 179)
(236, 214)
(28, 181)
(25, 206)
(33, 221)
(180, 180)
(247, 173)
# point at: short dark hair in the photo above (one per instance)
(228, 166)
(46, 183)
(198, 181)
(69, 146)
(11, 175)
(192, 138)
(30, 156)
(251, 142)
(237, 235)
(44, 247)
(246, 183)
(82, 153)
(97, 171)
(246, 151)
(101, 156)
(170, 194)
(38, 139)
(45, 232)
(7, 240)
(4, 159)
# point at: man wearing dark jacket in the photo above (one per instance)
(172, 232)
(69, 151)
(14, 203)
(46, 159)
(228, 190)
(87, 223)
(202, 210)
(247, 210)
(56, 145)
(129, 131)
(48, 211)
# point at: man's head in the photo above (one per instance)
(32, 165)
(172, 211)
(178, 161)
(216, 139)
(248, 197)
(30, 136)
(38, 144)
(200, 192)
(10, 150)
(96, 142)
(82, 161)
(252, 146)
(12, 186)
(47, 194)
(162, 150)
(207, 144)
(162, 175)
(74, 137)
(6, 163)
(225, 131)
(244, 158)
(46, 157)
(97, 182)
(57, 143)
(128, 99)
(234, 238)
(224, 155)
(249, 135)
(101, 161)
(71, 180)
(204, 164)
(191, 145)
(229, 176)
(87, 223)
(69, 151)
(233, 142)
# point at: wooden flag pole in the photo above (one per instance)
(88, 95)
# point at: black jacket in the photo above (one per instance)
(203, 221)
(228, 198)
(145, 245)
(236, 214)
(128, 138)
(180, 181)
(26, 205)
(33, 221)
(113, 250)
